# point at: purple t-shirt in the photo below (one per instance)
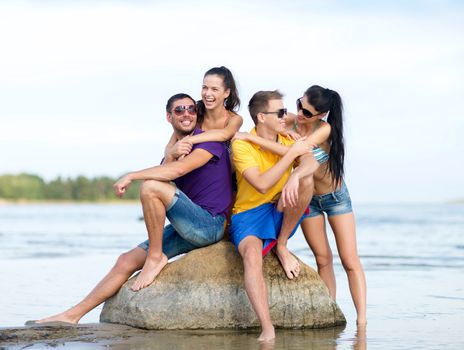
(210, 186)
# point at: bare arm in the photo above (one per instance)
(316, 138)
(220, 135)
(168, 154)
(165, 172)
(268, 145)
(320, 135)
(262, 182)
(178, 150)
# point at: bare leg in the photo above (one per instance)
(360, 338)
(125, 266)
(250, 249)
(344, 229)
(156, 196)
(291, 216)
(314, 231)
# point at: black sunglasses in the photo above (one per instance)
(306, 113)
(179, 110)
(280, 113)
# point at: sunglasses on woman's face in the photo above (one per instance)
(179, 110)
(280, 113)
(306, 113)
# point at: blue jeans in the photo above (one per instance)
(333, 203)
(191, 227)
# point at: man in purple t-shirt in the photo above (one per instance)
(196, 206)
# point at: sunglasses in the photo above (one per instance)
(306, 113)
(280, 113)
(179, 110)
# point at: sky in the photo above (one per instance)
(83, 84)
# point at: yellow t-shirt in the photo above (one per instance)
(247, 155)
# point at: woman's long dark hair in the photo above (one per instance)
(326, 100)
(232, 103)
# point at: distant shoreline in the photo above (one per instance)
(56, 201)
(455, 201)
(117, 201)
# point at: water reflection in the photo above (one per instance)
(320, 339)
(359, 342)
(119, 337)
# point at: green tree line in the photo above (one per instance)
(81, 188)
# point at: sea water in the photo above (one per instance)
(51, 255)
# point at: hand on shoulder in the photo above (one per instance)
(292, 134)
(241, 136)
(300, 147)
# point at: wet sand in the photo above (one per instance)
(111, 336)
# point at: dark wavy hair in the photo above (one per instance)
(326, 100)
(232, 103)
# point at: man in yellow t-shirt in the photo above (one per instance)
(268, 190)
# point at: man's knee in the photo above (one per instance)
(307, 182)
(149, 188)
(252, 256)
(126, 263)
(154, 188)
(311, 163)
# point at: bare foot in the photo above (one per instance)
(267, 335)
(62, 317)
(150, 270)
(289, 262)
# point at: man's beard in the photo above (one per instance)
(183, 132)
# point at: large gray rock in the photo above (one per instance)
(205, 290)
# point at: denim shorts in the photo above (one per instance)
(334, 203)
(190, 227)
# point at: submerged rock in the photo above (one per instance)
(205, 289)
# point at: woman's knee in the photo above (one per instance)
(351, 263)
(324, 260)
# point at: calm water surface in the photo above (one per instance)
(51, 255)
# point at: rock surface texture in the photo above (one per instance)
(205, 290)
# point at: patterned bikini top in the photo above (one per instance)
(320, 155)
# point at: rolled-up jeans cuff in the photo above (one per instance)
(174, 198)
